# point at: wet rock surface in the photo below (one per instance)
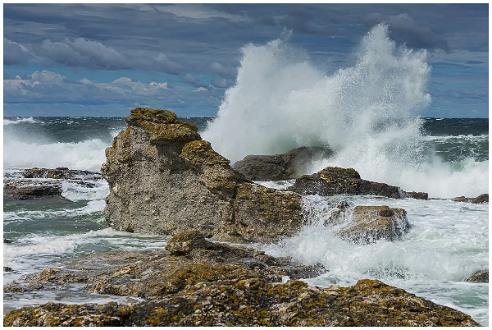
(40, 183)
(484, 198)
(163, 178)
(201, 283)
(280, 167)
(480, 276)
(372, 223)
(337, 180)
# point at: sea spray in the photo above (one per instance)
(367, 112)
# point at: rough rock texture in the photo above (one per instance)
(254, 301)
(480, 276)
(484, 198)
(371, 223)
(56, 173)
(416, 195)
(336, 180)
(22, 191)
(163, 177)
(280, 167)
(36, 183)
(151, 274)
(197, 282)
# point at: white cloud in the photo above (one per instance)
(199, 12)
(14, 53)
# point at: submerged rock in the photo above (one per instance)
(253, 301)
(480, 276)
(337, 180)
(484, 198)
(163, 177)
(280, 167)
(371, 223)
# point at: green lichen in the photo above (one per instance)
(152, 115)
(200, 152)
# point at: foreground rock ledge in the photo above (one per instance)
(255, 302)
(196, 282)
(163, 177)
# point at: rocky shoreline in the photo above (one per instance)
(164, 179)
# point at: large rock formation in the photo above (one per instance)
(200, 283)
(280, 167)
(336, 180)
(163, 177)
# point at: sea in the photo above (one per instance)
(447, 240)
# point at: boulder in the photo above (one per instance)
(371, 223)
(480, 276)
(416, 195)
(337, 180)
(163, 178)
(22, 190)
(280, 167)
(484, 198)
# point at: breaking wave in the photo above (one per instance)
(368, 113)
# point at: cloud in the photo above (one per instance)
(15, 53)
(404, 29)
(83, 52)
(46, 86)
(197, 12)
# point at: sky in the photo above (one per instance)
(104, 59)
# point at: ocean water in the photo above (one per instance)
(369, 113)
(446, 243)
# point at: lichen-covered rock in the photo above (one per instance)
(337, 180)
(254, 301)
(280, 167)
(480, 276)
(163, 178)
(484, 198)
(371, 223)
(188, 258)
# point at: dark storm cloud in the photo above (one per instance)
(199, 44)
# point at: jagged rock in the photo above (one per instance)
(152, 274)
(253, 301)
(337, 180)
(57, 173)
(163, 178)
(372, 223)
(280, 167)
(484, 198)
(22, 191)
(416, 195)
(480, 276)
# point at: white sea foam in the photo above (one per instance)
(30, 120)
(367, 112)
(76, 192)
(83, 155)
(447, 242)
